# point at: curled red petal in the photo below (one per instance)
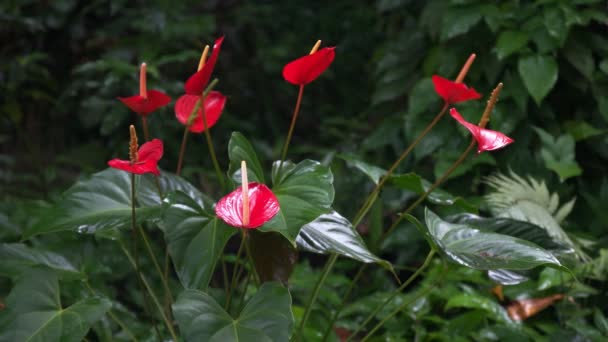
(214, 106)
(198, 81)
(152, 150)
(148, 156)
(145, 106)
(487, 139)
(306, 69)
(263, 205)
(452, 92)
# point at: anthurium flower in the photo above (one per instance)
(306, 69)
(148, 100)
(198, 81)
(249, 206)
(487, 140)
(142, 160)
(453, 92)
(214, 106)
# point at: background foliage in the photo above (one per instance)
(67, 61)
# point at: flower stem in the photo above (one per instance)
(155, 262)
(182, 151)
(216, 165)
(294, 118)
(151, 292)
(406, 304)
(371, 316)
(144, 124)
(115, 318)
(315, 293)
(234, 273)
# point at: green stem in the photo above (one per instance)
(294, 118)
(371, 316)
(371, 198)
(112, 315)
(234, 273)
(315, 293)
(256, 276)
(182, 151)
(242, 299)
(151, 292)
(404, 305)
(216, 165)
(437, 183)
(155, 262)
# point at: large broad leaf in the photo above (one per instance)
(475, 301)
(273, 255)
(34, 313)
(510, 42)
(539, 74)
(267, 317)
(332, 233)
(102, 203)
(473, 248)
(413, 182)
(18, 258)
(240, 149)
(195, 239)
(305, 191)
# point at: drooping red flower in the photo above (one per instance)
(147, 101)
(306, 69)
(214, 106)
(198, 81)
(487, 140)
(263, 205)
(452, 92)
(146, 161)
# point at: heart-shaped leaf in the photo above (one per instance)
(266, 317)
(473, 248)
(240, 149)
(332, 233)
(195, 239)
(539, 74)
(34, 313)
(273, 255)
(18, 258)
(305, 191)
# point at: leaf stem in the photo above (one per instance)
(315, 293)
(182, 151)
(155, 262)
(294, 117)
(415, 275)
(216, 165)
(234, 273)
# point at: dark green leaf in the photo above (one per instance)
(305, 191)
(413, 182)
(458, 21)
(34, 313)
(473, 248)
(373, 172)
(195, 240)
(273, 255)
(18, 258)
(510, 42)
(332, 233)
(240, 149)
(539, 74)
(266, 317)
(581, 130)
(474, 301)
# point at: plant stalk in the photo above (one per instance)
(234, 273)
(294, 118)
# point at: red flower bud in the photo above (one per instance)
(198, 81)
(487, 140)
(453, 92)
(306, 69)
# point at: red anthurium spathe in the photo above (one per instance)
(148, 100)
(198, 81)
(249, 206)
(142, 160)
(306, 69)
(453, 92)
(214, 106)
(487, 140)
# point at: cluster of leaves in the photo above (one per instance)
(550, 55)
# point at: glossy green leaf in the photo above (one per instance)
(266, 317)
(473, 248)
(195, 239)
(373, 172)
(510, 42)
(305, 191)
(539, 74)
(273, 255)
(34, 313)
(413, 182)
(475, 301)
(332, 233)
(18, 258)
(458, 21)
(240, 149)
(506, 277)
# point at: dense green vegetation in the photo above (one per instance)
(64, 63)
